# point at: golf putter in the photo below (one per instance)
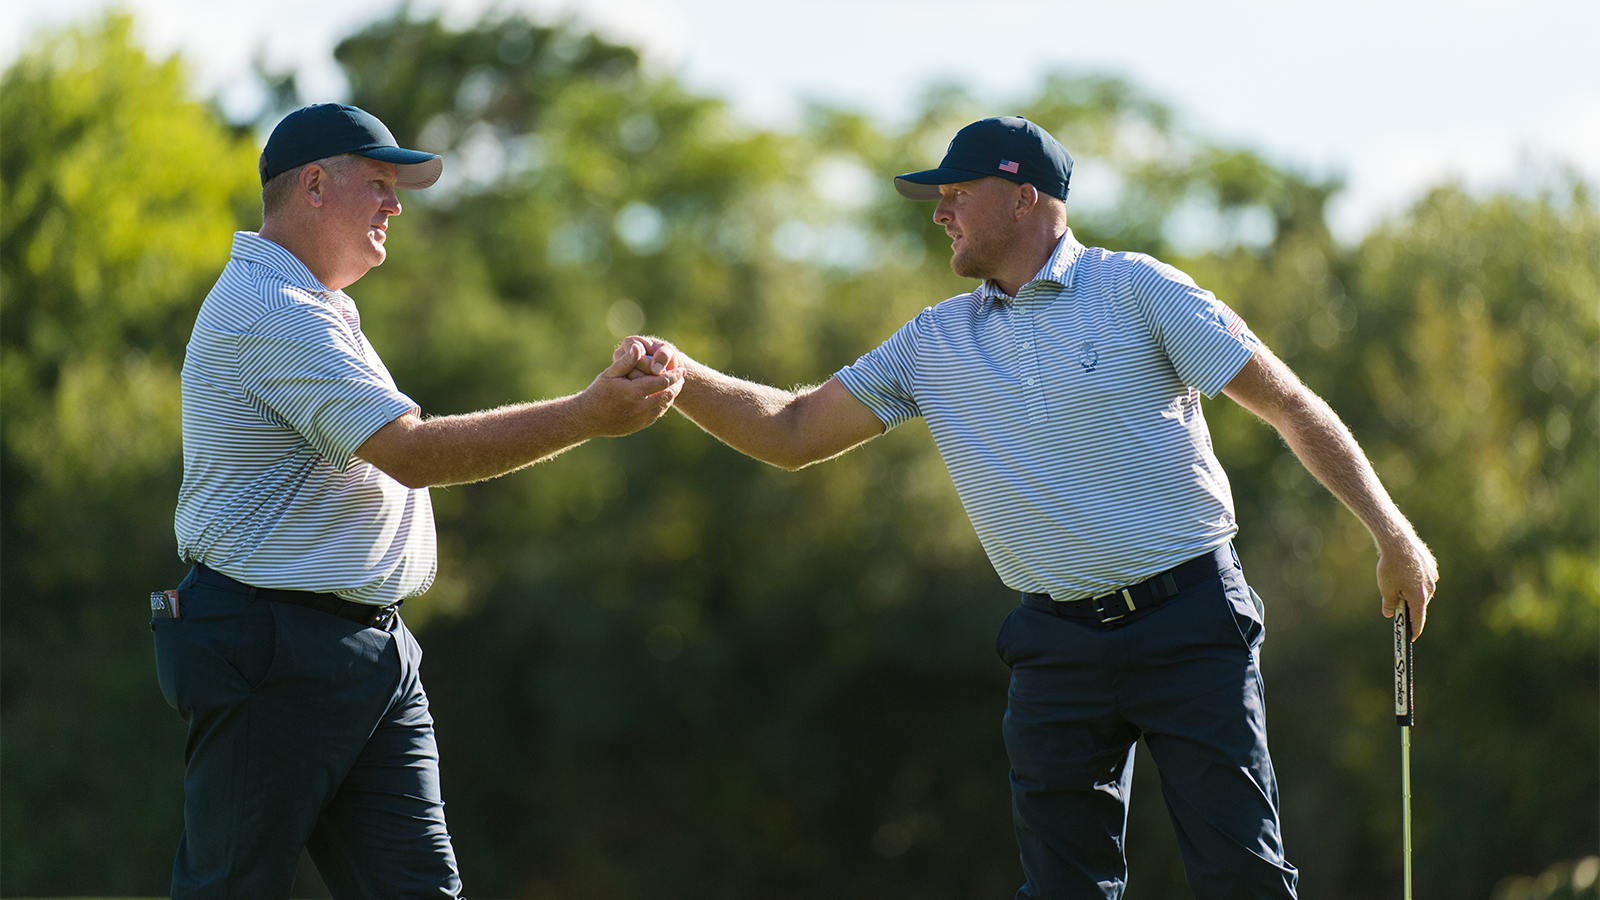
(1405, 717)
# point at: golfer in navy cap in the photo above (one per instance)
(1064, 393)
(305, 513)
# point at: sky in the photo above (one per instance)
(1392, 96)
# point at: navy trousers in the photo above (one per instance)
(306, 730)
(1183, 675)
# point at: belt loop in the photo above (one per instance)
(252, 593)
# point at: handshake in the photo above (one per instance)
(644, 379)
(787, 429)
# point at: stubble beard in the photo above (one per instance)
(980, 258)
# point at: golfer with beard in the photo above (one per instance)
(1064, 395)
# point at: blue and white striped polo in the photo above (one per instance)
(280, 388)
(1069, 418)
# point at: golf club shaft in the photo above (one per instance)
(1405, 781)
(1405, 716)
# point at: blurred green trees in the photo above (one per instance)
(117, 195)
(1438, 341)
(662, 670)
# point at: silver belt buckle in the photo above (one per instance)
(1100, 606)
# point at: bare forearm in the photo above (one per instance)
(475, 446)
(1328, 451)
(758, 420)
(789, 429)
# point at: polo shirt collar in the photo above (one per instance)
(1058, 269)
(251, 247)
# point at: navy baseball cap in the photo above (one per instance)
(331, 129)
(1008, 147)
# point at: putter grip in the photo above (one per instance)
(1404, 709)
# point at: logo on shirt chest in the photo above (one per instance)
(1088, 356)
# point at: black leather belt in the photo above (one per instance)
(1135, 599)
(361, 613)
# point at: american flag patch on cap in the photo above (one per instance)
(1007, 165)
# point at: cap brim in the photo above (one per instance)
(414, 169)
(924, 186)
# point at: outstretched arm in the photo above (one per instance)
(1406, 568)
(421, 452)
(789, 429)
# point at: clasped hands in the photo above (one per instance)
(650, 356)
(638, 388)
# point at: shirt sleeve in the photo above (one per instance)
(882, 378)
(304, 363)
(1207, 342)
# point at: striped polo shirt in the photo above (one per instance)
(280, 388)
(1069, 417)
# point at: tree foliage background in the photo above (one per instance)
(660, 669)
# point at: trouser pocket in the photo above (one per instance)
(218, 652)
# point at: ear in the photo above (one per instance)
(313, 181)
(1027, 199)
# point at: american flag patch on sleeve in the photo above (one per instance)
(1230, 319)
